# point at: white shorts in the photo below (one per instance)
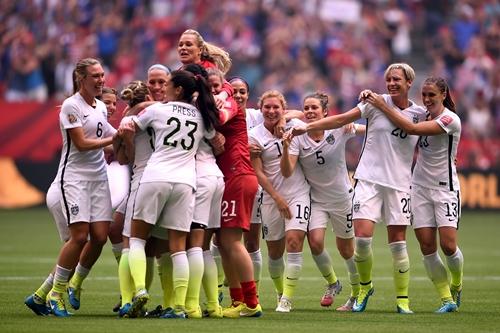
(86, 201)
(122, 206)
(274, 226)
(380, 203)
(167, 205)
(119, 182)
(208, 198)
(338, 214)
(157, 232)
(256, 210)
(434, 208)
(53, 199)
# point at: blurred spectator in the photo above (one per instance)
(24, 77)
(296, 46)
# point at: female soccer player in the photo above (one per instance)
(165, 195)
(435, 191)
(285, 203)
(134, 93)
(251, 239)
(380, 193)
(240, 188)
(321, 155)
(82, 178)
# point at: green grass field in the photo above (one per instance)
(29, 245)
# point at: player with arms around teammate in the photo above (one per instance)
(165, 195)
(85, 196)
(322, 157)
(381, 194)
(435, 196)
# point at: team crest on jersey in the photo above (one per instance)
(74, 209)
(71, 118)
(356, 206)
(415, 119)
(446, 120)
(330, 139)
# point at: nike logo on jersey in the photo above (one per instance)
(85, 116)
(306, 148)
(302, 222)
(266, 144)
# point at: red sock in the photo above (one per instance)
(236, 295)
(250, 293)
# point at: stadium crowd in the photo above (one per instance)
(293, 46)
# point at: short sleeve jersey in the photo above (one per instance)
(387, 154)
(235, 160)
(143, 147)
(83, 165)
(435, 167)
(206, 165)
(253, 117)
(324, 164)
(178, 129)
(272, 149)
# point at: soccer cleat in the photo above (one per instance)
(233, 311)
(251, 312)
(123, 312)
(140, 299)
(194, 313)
(456, 293)
(331, 291)
(40, 308)
(403, 307)
(118, 305)
(220, 296)
(157, 312)
(362, 299)
(447, 306)
(347, 307)
(57, 306)
(284, 306)
(74, 297)
(213, 313)
(174, 314)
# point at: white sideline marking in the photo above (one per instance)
(305, 278)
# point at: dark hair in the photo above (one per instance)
(237, 78)
(195, 90)
(196, 69)
(445, 89)
(322, 98)
(135, 93)
(80, 71)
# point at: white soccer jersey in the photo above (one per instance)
(272, 149)
(435, 167)
(179, 129)
(206, 165)
(387, 153)
(143, 148)
(83, 165)
(324, 165)
(253, 117)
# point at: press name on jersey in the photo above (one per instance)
(184, 111)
